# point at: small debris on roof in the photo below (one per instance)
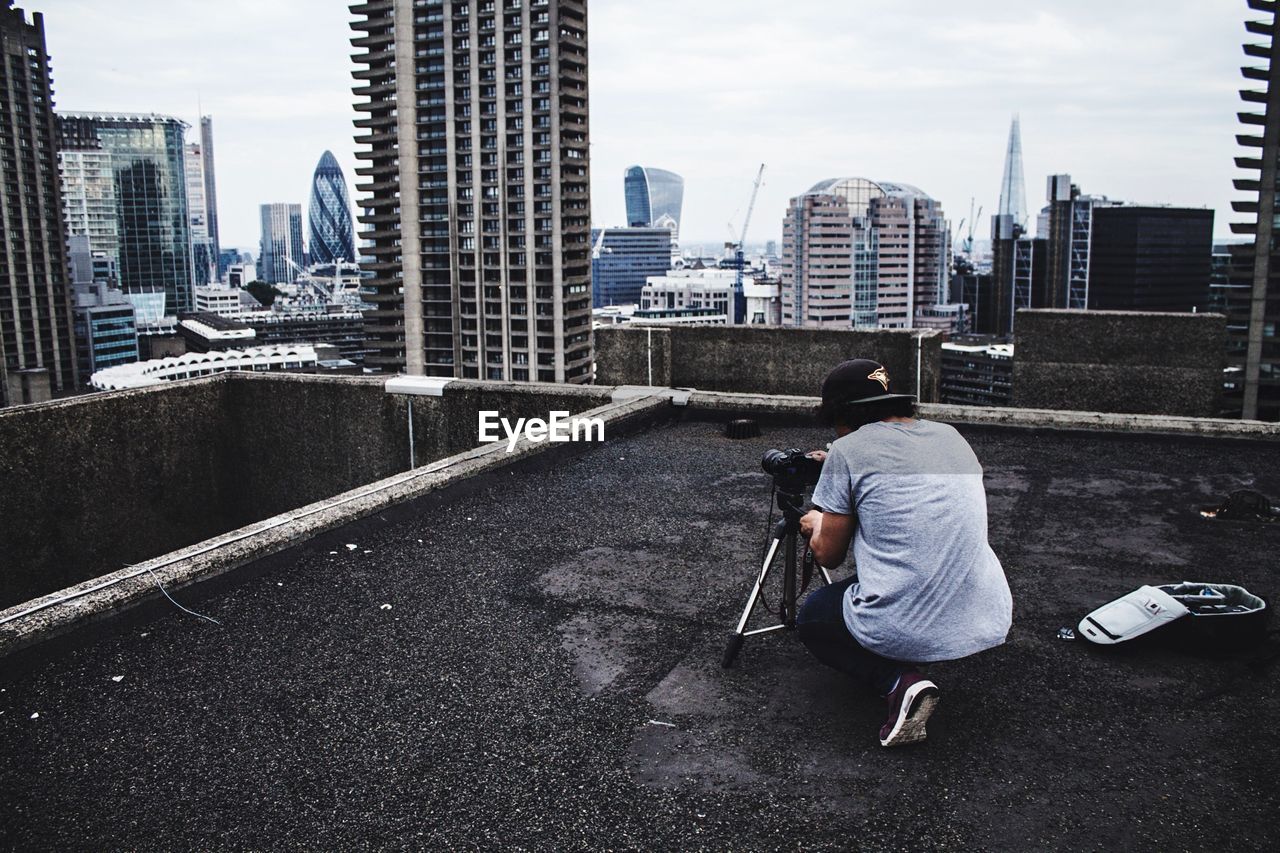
(1243, 505)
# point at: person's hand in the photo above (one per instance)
(820, 455)
(810, 523)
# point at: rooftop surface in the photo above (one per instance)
(547, 675)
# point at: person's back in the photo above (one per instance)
(929, 586)
(907, 495)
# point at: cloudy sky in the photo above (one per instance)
(1135, 98)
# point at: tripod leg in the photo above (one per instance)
(789, 583)
(735, 642)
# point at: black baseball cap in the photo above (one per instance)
(854, 382)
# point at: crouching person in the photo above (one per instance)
(908, 494)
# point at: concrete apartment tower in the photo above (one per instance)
(37, 344)
(863, 254)
(476, 187)
(1253, 302)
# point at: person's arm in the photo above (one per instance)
(829, 535)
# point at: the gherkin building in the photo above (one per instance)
(329, 215)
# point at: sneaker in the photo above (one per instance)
(910, 705)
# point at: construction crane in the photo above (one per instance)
(595, 250)
(966, 245)
(968, 240)
(739, 257)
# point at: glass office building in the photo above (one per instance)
(654, 198)
(623, 259)
(280, 254)
(152, 220)
(329, 215)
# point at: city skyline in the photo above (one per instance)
(936, 116)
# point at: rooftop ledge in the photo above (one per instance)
(545, 627)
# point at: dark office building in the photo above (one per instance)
(1019, 279)
(106, 329)
(1150, 259)
(1252, 388)
(621, 261)
(37, 341)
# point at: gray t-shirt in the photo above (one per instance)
(929, 586)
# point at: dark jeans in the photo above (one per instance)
(822, 629)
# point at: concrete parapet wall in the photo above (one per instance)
(91, 484)
(63, 610)
(94, 483)
(761, 360)
(1119, 361)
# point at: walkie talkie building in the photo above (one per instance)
(654, 198)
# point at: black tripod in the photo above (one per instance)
(785, 534)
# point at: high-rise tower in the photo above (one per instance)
(654, 198)
(148, 162)
(37, 349)
(476, 187)
(280, 247)
(1253, 308)
(1013, 187)
(210, 189)
(329, 215)
(204, 261)
(863, 253)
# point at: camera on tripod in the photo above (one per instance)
(792, 470)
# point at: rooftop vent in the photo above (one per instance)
(743, 428)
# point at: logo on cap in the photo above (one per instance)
(880, 375)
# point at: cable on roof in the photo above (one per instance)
(175, 603)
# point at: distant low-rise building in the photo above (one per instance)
(218, 300)
(295, 359)
(977, 372)
(688, 296)
(105, 327)
(335, 325)
(612, 315)
(764, 301)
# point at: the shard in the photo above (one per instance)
(1013, 187)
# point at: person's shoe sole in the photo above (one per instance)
(919, 703)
